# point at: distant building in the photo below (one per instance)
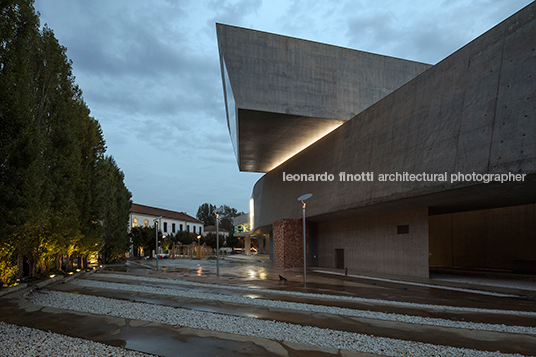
(212, 229)
(242, 229)
(242, 224)
(170, 223)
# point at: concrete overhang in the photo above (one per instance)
(282, 94)
(268, 139)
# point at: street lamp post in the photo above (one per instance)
(217, 244)
(156, 246)
(302, 199)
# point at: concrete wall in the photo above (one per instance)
(281, 74)
(501, 238)
(283, 93)
(472, 112)
(371, 243)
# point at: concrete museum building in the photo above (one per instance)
(411, 166)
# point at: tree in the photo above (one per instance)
(233, 242)
(117, 209)
(186, 238)
(226, 218)
(59, 195)
(24, 200)
(140, 236)
(210, 240)
(205, 213)
(167, 242)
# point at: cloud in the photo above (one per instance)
(425, 31)
(150, 73)
(232, 12)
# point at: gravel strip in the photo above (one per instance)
(312, 295)
(22, 341)
(274, 330)
(309, 307)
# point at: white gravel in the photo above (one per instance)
(309, 307)
(317, 296)
(22, 341)
(249, 326)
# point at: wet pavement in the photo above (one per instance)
(167, 340)
(154, 338)
(394, 288)
(487, 340)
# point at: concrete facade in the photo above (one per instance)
(372, 244)
(472, 113)
(284, 93)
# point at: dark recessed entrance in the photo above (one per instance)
(339, 258)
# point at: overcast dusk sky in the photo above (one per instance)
(150, 74)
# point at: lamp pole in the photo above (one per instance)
(217, 244)
(302, 199)
(156, 245)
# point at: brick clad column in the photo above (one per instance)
(288, 243)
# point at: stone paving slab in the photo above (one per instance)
(438, 335)
(148, 337)
(152, 337)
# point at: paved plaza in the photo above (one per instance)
(184, 309)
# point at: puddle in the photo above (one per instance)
(168, 341)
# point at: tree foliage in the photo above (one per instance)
(210, 240)
(144, 238)
(59, 195)
(205, 213)
(226, 217)
(186, 238)
(116, 210)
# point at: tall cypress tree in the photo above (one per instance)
(117, 207)
(23, 201)
(59, 195)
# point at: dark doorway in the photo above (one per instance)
(339, 258)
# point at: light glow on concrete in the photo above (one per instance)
(281, 112)
(251, 214)
(305, 144)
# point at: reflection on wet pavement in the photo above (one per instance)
(261, 276)
(174, 340)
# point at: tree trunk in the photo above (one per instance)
(32, 265)
(20, 266)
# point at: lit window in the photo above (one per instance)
(134, 222)
(146, 223)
